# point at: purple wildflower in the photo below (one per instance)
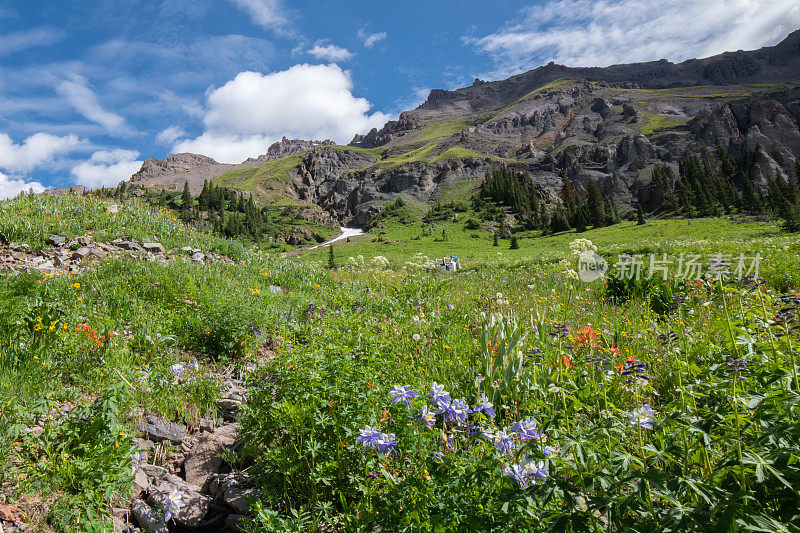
(458, 410)
(439, 396)
(428, 417)
(526, 429)
(438, 457)
(402, 393)
(641, 416)
(503, 441)
(517, 473)
(526, 472)
(485, 406)
(369, 436)
(386, 443)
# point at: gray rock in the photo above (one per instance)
(147, 518)
(81, 253)
(232, 522)
(198, 256)
(55, 240)
(227, 434)
(154, 247)
(203, 460)
(228, 404)
(113, 209)
(140, 482)
(195, 505)
(239, 499)
(206, 424)
(159, 429)
(129, 245)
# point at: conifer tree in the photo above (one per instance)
(595, 204)
(331, 258)
(640, 216)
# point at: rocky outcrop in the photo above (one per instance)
(286, 147)
(608, 124)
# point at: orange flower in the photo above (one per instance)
(384, 415)
(371, 384)
(566, 362)
(586, 338)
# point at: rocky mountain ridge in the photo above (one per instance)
(610, 124)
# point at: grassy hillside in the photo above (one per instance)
(661, 405)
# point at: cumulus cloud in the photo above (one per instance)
(370, 39)
(107, 168)
(77, 92)
(247, 114)
(330, 52)
(605, 32)
(36, 150)
(170, 135)
(269, 14)
(21, 40)
(11, 187)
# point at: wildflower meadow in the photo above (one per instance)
(390, 395)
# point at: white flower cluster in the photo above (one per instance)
(578, 246)
(379, 261)
(421, 262)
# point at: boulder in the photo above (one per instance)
(154, 247)
(160, 429)
(203, 460)
(147, 518)
(55, 240)
(113, 209)
(195, 505)
(129, 245)
(81, 253)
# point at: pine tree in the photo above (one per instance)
(514, 244)
(640, 216)
(495, 242)
(331, 258)
(580, 221)
(595, 205)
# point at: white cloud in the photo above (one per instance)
(330, 52)
(107, 168)
(605, 32)
(247, 114)
(269, 14)
(370, 39)
(170, 135)
(20, 40)
(77, 91)
(11, 187)
(36, 150)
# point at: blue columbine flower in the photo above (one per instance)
(428, 417)
(485, 406)
(526, 429)
(503, 441)
(386, 443)
(526, 472)
(369, 436)
(517, 473)
(439, 396)
(458, 410)
(402, 393)
(641, 416)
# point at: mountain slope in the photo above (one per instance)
(611, 124)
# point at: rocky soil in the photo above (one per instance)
(186, 462)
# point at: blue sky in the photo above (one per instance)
(88, 88)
